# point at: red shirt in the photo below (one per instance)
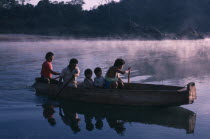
(46, 67)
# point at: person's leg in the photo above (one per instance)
(107, 84)
(114, 85)
(120, 83)
(53, 81)
(73, 85)
(45, 80)
(79, 85)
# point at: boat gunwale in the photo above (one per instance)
(124, 89)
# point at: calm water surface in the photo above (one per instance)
(24, 115)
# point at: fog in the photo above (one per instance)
(159, 61)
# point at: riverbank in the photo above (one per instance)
(34, 37)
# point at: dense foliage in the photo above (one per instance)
(128, 17)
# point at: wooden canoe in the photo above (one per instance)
(134, 94)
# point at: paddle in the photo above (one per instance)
(129, 73)
(64, 86)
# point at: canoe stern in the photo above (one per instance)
(192, 92)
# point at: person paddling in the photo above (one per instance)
(112, 79)
(70, 73)
(47, 69)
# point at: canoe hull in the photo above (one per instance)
(136, 97)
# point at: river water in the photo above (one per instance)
(25, 115)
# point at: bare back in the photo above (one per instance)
(112, 72)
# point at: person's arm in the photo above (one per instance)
(120, 71)
(49, 68)
(123, 72)
(61, 76)
(53, 72)
(76, 74)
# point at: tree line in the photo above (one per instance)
(124, 18)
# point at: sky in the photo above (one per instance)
(88, 3)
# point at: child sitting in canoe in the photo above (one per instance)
(47, 69)
(88, 82)
(112, 79)
(99, 79)
(70, 74)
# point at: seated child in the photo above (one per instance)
(88, 82)
(112, 79)
(99, 79)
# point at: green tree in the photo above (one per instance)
(8, 3)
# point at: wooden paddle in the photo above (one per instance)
(63, 87)
(129, 73)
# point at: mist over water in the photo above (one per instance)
(176, 62)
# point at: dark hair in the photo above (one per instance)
(73, 61)
(119, 62)
(88, 71)
(49, 54)
(98, 69)
(52, 121)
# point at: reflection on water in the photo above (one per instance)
(48, 113)
(96, 116)
(70, 118)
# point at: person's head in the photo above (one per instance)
(73, 63)
(88, 73)
(49, 56)
(98, 71)
(89, 126)
(119, 63)
(99, 124)
(52, 121)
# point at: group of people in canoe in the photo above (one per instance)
(69, 74)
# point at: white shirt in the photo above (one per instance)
(66, 74)
(99, 81)
(88, 83)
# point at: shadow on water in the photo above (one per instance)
(95, 116)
